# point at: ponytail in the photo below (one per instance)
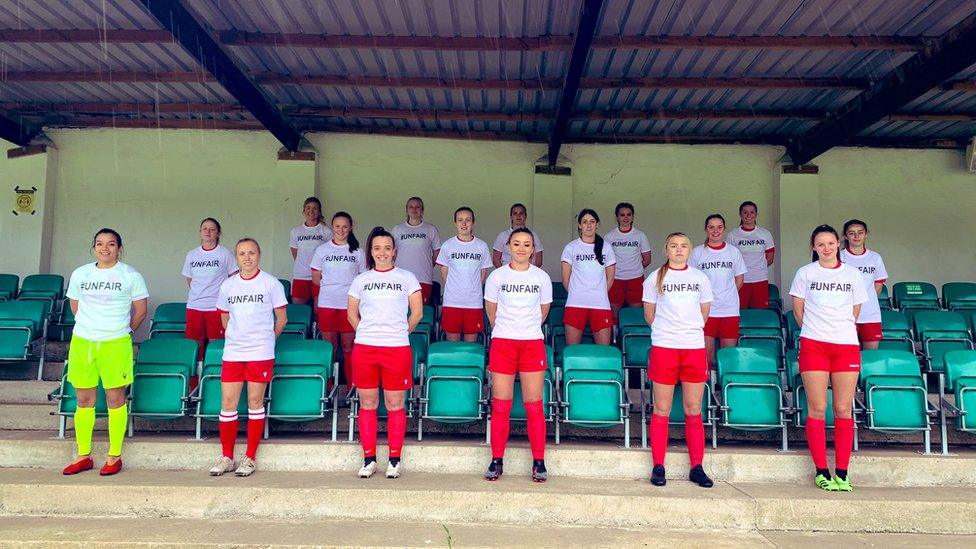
(377, 232)
(598, 240)
(598, 248)
(848, 226)
(351, 239)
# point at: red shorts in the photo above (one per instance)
(627, 292)
(333, 320)
(869, 331)
(203, 325)
(304, 289)
(387, 367)
(578, 317)
(510, 356)
(754, 295)
(426, 289)
(257, 371)
(455, 320)
(723, 327)
(818, 356)
(669, 366)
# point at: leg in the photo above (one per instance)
(471, 338)
(532, 383)
(118, 420)
(369, 401)
(663, 397)
(573, 335)
(691, 394)
(730, 342)
(603, 337)
(502, 389)
(84, 421)
(452, 336)
(710, 351)
(255, 416)
(346, 339)
(230, 396)
(815, 388)
(396, 422)
(844, 385)
(870, 344)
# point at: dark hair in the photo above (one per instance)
(517, 205)
(711, 217)
(377, 232)
(353, 241)
(247, 239)
(821, 229)
(464, 209)
(215, 222)
(628, 205)
(848, 226)
(106, 230)
(313, 200)
(748, 203)
(521, 230)
(598, 240)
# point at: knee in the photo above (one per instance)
(369, 402)
(114, 398)
(817, 410)
(662, 410)
(692, 408)
(843, 410)
(255, 401)
(86, 400)
(393, 402)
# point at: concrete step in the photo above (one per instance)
(514, 500)
(578, 460)
(41, 532)
(26, 391)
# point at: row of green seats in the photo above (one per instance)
(23, 331)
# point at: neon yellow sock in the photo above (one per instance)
(118, 421)
(84, 427)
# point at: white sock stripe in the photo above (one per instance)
(256, 413)
(228, 416)
(255, 416)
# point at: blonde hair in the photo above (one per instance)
(663, 271)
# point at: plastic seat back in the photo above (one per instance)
(630, 317)
(299, 323)
(884, 297)
(45, 286)
(942, 324)
(559, 291)
(593, 385)
(959, 363)
(745, 360)
(300, 379)
(162, 374)
(915, 294)
(959, 295)
(758, 321)
(8, 286)
(894, 389)
(751, 388)
(455, 375)
(168, 321)
(29, 314)
(286, 284)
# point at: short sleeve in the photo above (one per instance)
(650, 290)
(447, 252)
(222, 302)
(138, 287)
(730, 239)
(74, 286)
(860, 292)
(316, 264)
(567, 254)
(486, 258)
(231, 262)
(491, 288)
(435, 238)
(499, 242)
(770, 245)
(705, 294)
(361, 260)
(413, 285)
(799, 286)
(538, 242)
(645, 244)
(738, 262)
(545, 288)
(609, 258)
(355, 288)
(293, 239)
(881, 273)
(187, 271)
(695, 259)
(278, 298)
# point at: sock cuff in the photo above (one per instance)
(501, 403)
(816, 421)
(660, 419)
(843, 421)
(402, 412)
(256, 413)
(535, 405)
(367, 412)
(228, 416)
(120, 410)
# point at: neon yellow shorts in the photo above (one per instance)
(109, 360)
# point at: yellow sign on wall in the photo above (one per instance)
(24, 201)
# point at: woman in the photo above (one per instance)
(633, 252)
(334, 266)
(252, 310)
(205, 268)
(725, 268)
(109, 300)
(827, 298)
(500, 253)
(381, 356)
(677, 298)
(419, 243)
(587, 272)
(873, 273)
(304, 239)
(758, 251)
(464, 263)
(517, 300)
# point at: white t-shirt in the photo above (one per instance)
(415, 249)
(628, 247)
(250, 303)
(520, 296)
(305, 240)
(339, 267)
(721, 266)
(678, 322)
(829, 297)
(873, 271)
(501, 244)
(753, 244)
(384, 302)
(207, 270)
(105, 299)
(464, 262)
(588, 281)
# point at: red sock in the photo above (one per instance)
(227, 422)
(347, 367)
(255, 430)
(659, 438)
(817, 441)
(501, 410)
(695, 439)
(367, 431)
(536, 425)
(843, 441)
(396, 429)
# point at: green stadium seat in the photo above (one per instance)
(775, 300)
(299, 324)
(884, 298)
(910, 297)
(896, 332)
(286, 284)
(304, 384)
(939, 332)
(549, 400)
(63, 325)
(960, 371)
(207, 395)
(428, 324)
(23, 332)
(161, 379)
(959, 295)
(43, 286)
(750, 391)
(8, 286)
(792, 331)
(677, 416)
(559, 294)
(895, 393)
(67, 401)
(453, 384)
(634, 338)
(795, 382)
(592, 388)
(168, 321)
(761, 329)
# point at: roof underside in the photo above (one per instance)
(657, 70)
